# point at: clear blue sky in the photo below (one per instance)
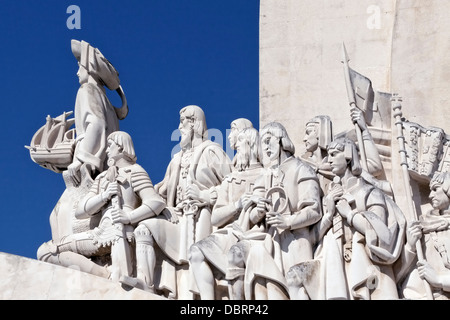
(169, 54)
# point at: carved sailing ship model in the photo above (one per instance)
(52, 146)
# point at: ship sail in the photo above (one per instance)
(52, 145)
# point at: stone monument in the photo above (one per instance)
(344, 193)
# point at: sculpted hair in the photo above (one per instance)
(252, 137)
(241, 124)
(123, 140)
(196, 113)
(442, 179)
(278, 130)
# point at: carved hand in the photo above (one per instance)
(336, 192)
(74, 172)
(169, 215)
(259, 212)
(261, 205)
(427, 272)
(413, 234)
(119, 216)
(343, 208)
(111, 190)
(247, 200)
(193, 192)
(276, 219)
(357, 117)
(333, 195)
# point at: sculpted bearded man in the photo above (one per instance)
(209, 257)
(189, 188)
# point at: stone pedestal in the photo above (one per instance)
(30, 279)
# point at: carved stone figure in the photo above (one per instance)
(209, 257)
(433, 228)
(122, 196)
(319, 134)
(366, 234)
(237, 126)
(289, 204)
(189, 188)
(266, 224)
(95, 116)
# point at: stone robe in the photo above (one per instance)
(208, 166)
(282, 249)
(95, 119)
(357, 266)
(216, 246)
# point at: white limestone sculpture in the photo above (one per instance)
(188, 188)
(289, 204)
(363, 102)
(52, 146)
(319, 134)
(209, 258)
(94, 118)
(365, 236)
(432, 232)
(373, 171)
(121, 196)
(236, 127)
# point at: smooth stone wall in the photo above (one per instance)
(29, 279)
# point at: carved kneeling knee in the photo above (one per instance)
(195, 254)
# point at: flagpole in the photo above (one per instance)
(397, 113)
(352, 103)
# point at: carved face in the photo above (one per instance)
(113, 150)
(311, 138)
(242, 156)
(271, 147)
(82, 74)
(235, 256)
(186, 130)
(241, 143)
(438, 197)
(233, 136)
(337, 161)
